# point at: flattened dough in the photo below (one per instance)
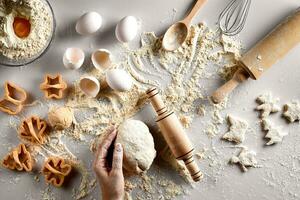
(237, 130)
(245, 159)
(268, 105)
(275, 134)
(292, 111)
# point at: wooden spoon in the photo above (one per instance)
(178, 32)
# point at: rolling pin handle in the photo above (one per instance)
(193, 168)
(220, 94)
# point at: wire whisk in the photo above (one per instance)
(233, 18)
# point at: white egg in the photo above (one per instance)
(89, 23)
(89, 85)
(101, 59)
(119, 80)
(73, 58)
(126, 29)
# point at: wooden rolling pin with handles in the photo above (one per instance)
(263, 55)
(174, 134)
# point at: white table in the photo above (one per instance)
(279, 176)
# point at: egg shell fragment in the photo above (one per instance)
(88, 23)
(126, 29)
(73, 58)
(101, 59)
(89, 85)
(119, 80)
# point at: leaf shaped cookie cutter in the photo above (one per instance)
(33, 129)
(53, 86)
(13, 100)
(55, 170)
(18, 159)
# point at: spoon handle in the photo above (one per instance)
(193, 12)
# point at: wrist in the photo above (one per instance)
(108, 196)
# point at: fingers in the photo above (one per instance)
(117, 159)
(100, 162)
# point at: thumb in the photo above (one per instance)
(117, 162)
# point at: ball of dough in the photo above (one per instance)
(60, 117)
(138, 145)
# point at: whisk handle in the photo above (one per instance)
(194, 11)
(220, 94)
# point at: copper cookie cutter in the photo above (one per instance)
(33, 129)
(53, 86)
(18, 159)
(55, 170)
(13, 100)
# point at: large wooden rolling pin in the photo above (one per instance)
(174, 134)
(264, 54)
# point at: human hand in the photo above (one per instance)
(110, 178)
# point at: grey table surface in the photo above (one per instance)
(279, 176)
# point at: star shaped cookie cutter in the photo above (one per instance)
(53, 86)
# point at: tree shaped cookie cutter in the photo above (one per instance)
(33, 129)
(53, 86)
(18, 159)
(13, 100)
(55, 170)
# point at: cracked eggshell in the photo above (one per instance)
(73, 58)
(89, 85)
(101, 59)
(126, 29)
(119, 80)
(88, 23)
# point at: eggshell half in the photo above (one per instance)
(89, 85)
(73, 58)
(101, 59)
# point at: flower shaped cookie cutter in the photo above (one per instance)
(53, 86)
(33, 129)
(18, 159)
(55, 170)
(13, 100)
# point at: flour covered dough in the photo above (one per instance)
(60, 118)
(138, 145)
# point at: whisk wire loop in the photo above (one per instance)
(233, 18)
